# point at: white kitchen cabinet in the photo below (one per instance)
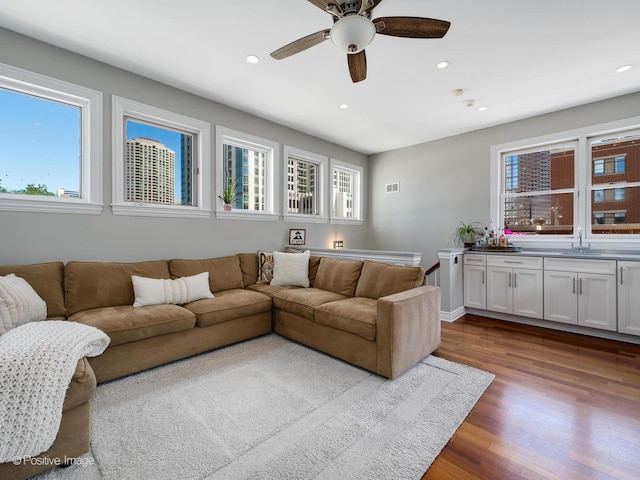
(629, 297)
(514, 285)
(475, 280)
(580, 292)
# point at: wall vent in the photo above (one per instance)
(393, 187)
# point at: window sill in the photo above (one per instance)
(347, 221)
(298, 218)
(50, 206)
(147, 210)
(247, 215)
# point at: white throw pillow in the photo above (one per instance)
(159, 291)
(291, 269)
(19, 303)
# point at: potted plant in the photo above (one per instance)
(466, 234)
(228, 195)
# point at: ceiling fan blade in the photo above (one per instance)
(357, 66)
(301, 44)
(412, 27)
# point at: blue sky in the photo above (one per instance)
(40, 142)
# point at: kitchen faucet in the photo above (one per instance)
(580, 247)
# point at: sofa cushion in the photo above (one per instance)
(82, 387)
(158, 291)
(125, 324)
(339, 276)
(354, 315)
(304, 301)
(224, 272)
(91, 285)
(228, 305)
(270, 290)
(47, 279)
(249, 267)
(381, 279)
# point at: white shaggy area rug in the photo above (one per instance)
(269, 408)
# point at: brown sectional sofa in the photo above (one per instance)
(377, 316)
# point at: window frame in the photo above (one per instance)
(124, 109)
(226, 135)
(321, 196)
(90, 104)
(583, 184)
(358, 197)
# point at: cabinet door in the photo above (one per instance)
(560, 302)
(500, 289)
(629, 297)
(475, 289)
(527, 293)
(597, 301)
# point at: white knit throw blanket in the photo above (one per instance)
(37, 363)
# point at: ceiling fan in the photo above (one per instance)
(353, 30)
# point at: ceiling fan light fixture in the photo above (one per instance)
(352, 33)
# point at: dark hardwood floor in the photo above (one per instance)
(562, 406)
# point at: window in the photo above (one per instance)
(159, 166)
(608, 166)
(51, 154)
(615, 183)
(544, 188)
(609, 195)
(539, 190)
(347, 194)
(248, 163)
(305, 186)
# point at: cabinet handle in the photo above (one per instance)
(483, 277)
(580, 286)
(574, 286)
(621, 270)
(509, 279)
(513, 261)
(515, 280)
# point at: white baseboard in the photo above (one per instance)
(452, 316)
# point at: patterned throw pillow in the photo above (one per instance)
(265, 267)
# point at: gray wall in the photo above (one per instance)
(35, 237)
(447, 181)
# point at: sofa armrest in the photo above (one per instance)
(408, 328)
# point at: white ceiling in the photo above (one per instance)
(518, 57)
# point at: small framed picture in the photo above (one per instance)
(297, 236)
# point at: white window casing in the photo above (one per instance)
(123, 109)
(89, 102)
(271, 151)
(321, 186)
(357, 195)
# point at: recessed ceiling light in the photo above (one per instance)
(344, 106)
(442, 64)
(623, 68)
(252, 58)
(482, 108)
